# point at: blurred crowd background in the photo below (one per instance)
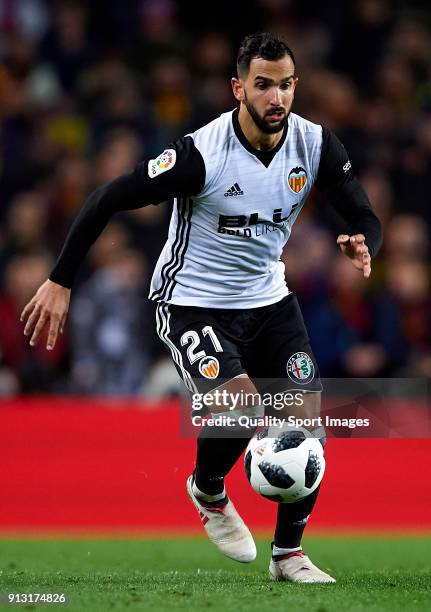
(88, 88)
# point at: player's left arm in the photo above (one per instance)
(337, 180)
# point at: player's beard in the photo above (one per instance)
(261, 122)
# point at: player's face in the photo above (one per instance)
(267, 92)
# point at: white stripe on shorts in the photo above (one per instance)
(163, 328)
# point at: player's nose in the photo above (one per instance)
(275, 98)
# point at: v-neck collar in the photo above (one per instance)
(265, 157)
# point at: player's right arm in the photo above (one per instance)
(178, 171)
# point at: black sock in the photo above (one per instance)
(292, 519)
(216, 456)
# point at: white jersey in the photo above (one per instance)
(225, 243)
(234, 208)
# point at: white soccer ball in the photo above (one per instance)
(286, 468)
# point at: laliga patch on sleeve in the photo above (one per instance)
(165, 161)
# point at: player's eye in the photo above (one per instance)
(261, 85)
(286, 86)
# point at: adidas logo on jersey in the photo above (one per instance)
(235, 190)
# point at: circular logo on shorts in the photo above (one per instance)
(209, 367)
(300, 368)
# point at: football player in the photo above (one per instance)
(224, 309)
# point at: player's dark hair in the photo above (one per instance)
(263, 45)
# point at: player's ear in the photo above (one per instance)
(237, 88)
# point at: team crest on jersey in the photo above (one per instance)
(300, 368)
(165, 161)
(297, 179)
(209, 367)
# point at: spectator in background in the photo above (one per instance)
(406, 291)
(405, 313)
(115, 104)
(110, 338)
(377, 184)
(67, 46)
(25, 227)
(28, 18)
(31, 371)
(407, 237)
(368, 24)
(70, 184)
(171, 105)
(211, 63)
(364, 356)
(148, 226)
(120, 152)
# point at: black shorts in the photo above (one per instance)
(210, 346)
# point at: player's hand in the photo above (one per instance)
(356, 250)
(49, 306)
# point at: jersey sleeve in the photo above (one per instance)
(178, 171)
(346, 194)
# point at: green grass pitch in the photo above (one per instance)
(374, 574)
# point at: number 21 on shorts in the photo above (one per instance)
(192, 337)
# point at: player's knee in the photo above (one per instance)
(236, 395)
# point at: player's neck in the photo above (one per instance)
(258, 139)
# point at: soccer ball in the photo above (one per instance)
(286, 468)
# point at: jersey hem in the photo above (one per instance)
(224, 302)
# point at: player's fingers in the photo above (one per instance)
(43, 317)
(366, 261)
(367, 269)
(357, 238)
(342, 238)
(361, 248)
(27, 310)
(32, 320)
(63, 322)
(53, 331)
